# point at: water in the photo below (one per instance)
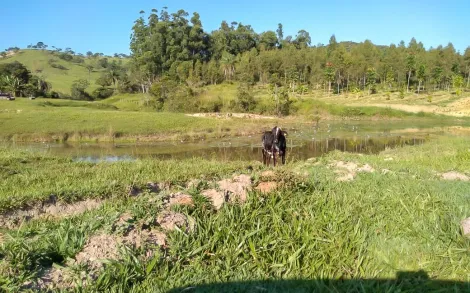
(302, 143)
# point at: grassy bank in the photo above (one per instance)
(127, 117)
(296, 238)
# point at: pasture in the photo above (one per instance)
(393, 225)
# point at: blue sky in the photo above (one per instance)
(105, 25)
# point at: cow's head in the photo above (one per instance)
(277, 132)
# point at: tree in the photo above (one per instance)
(466, 57)
(90, 68)
(280, 35)
(457, 82)
(89, 54)
(12, 84)
(421, 75)
(410, 66)
(302, 40)
(371, 79)
(104, 80)
(329, 74)
(268, 40)
(78, 90)
(228, 65)
(437, 75)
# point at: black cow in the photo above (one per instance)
(274, 141)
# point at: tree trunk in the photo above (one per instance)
(468, 78)
(408, 86)
(347, 85)
(419, 86)
(329, 87)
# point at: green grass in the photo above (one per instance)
(315, 233)
(46, 119)
(61, 80)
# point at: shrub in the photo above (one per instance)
(102, 93)
(402, 93)
(78, 90)
(429, 99)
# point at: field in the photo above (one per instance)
(37, 61)
(392, 225)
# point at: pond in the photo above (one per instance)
(303, 142)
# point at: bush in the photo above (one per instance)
(102, 93)
(212, 106)
(402, 93)
(429, 99)
(78, 90)
(245, 100)
(65, 56)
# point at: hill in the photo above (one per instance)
(61, 73)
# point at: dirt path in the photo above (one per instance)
(460, 108)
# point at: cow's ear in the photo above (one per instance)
(285, 133)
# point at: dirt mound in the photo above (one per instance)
(180, 199)
(216, 197)
(268, 174)
(138, 238)
(13, 219)
(452, 175)
(98, 247)
(266, 187)
(169, 220)
(237, 188)
(56, 278)
(347, 170)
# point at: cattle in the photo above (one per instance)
(274, 141)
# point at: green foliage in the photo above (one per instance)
(78, 90)
(102, 93)
(402, 93)
(245, 100)
(104, 80)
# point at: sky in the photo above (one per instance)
(104, 26)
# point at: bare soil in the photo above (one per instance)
(13, 219)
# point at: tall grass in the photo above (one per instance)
(313, 234)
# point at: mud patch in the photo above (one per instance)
(453, 175)
(13, 219)
(266, 187)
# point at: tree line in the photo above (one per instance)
(174, 46)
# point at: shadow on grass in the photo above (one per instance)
(404, 282)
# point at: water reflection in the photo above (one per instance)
(242, 148)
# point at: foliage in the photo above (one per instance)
(78, 90)
(102, 93)
(245, 100)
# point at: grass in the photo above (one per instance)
(126, 117)
(46, 120)
(314, 234)
(37, 61)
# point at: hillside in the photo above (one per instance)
(38, 62)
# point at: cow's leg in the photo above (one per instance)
(274, 158)
(283, 158)
(264, 157)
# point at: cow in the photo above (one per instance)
(274, 141)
